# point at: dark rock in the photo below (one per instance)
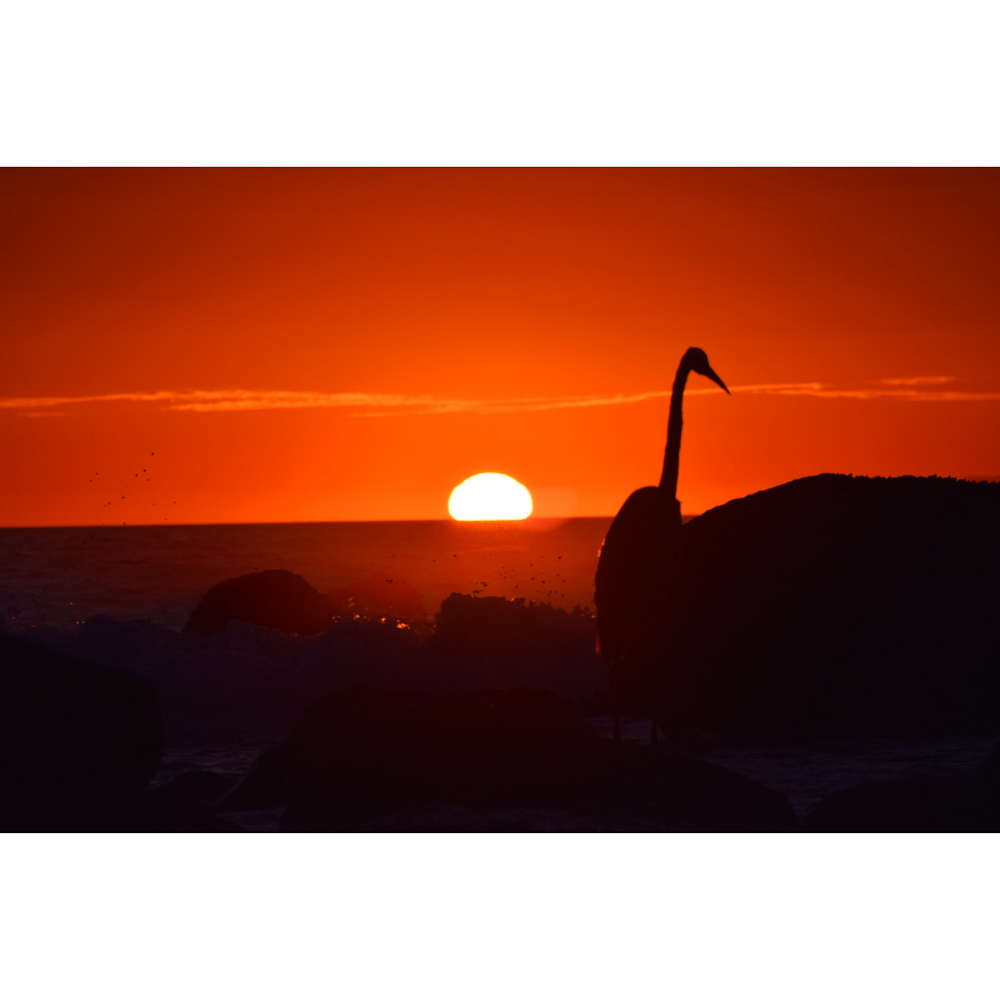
(206, 787)
(362, 752)
(652, 788)
(505, 760)
(491, 643)
(475, 627)
(266, 783)
(275, 598)
(835, 607)
(81, 741)
(447, 818)
(916, 803)
(711, 812)
(967, 803)
(184, 804)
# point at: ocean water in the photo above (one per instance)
(59, 576)
(121, 595)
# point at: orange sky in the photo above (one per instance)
(349, 344)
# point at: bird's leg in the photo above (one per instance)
(614, 690)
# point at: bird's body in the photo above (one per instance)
(635, 570)
(637, 565)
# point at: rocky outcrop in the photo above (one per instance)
(473, 627)
(81, 745)
(834, 607)
(495, 643)
(965, 803)
(275, 598)
(505, 760)
(81, 741)
(186, 803)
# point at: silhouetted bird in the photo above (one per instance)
(639, 559)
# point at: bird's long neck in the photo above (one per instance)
(672, 457)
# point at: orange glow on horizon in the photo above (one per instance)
(347, 344)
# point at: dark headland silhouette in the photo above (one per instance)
(833, 607)
(638, 561)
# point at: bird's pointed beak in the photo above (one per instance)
(715, 378)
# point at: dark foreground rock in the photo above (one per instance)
(470, 628)
(916, 804)
(835, 607)
(80, 741)
(520, 760)
(496, 643)
(185, 804)
(275, 598)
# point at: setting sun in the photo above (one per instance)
(489, 496)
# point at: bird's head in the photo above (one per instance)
(697, 360)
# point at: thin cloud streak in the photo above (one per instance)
(821, 391)
(204, 399)
(918, 380)
(364, 404)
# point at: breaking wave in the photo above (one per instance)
(253, 680)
